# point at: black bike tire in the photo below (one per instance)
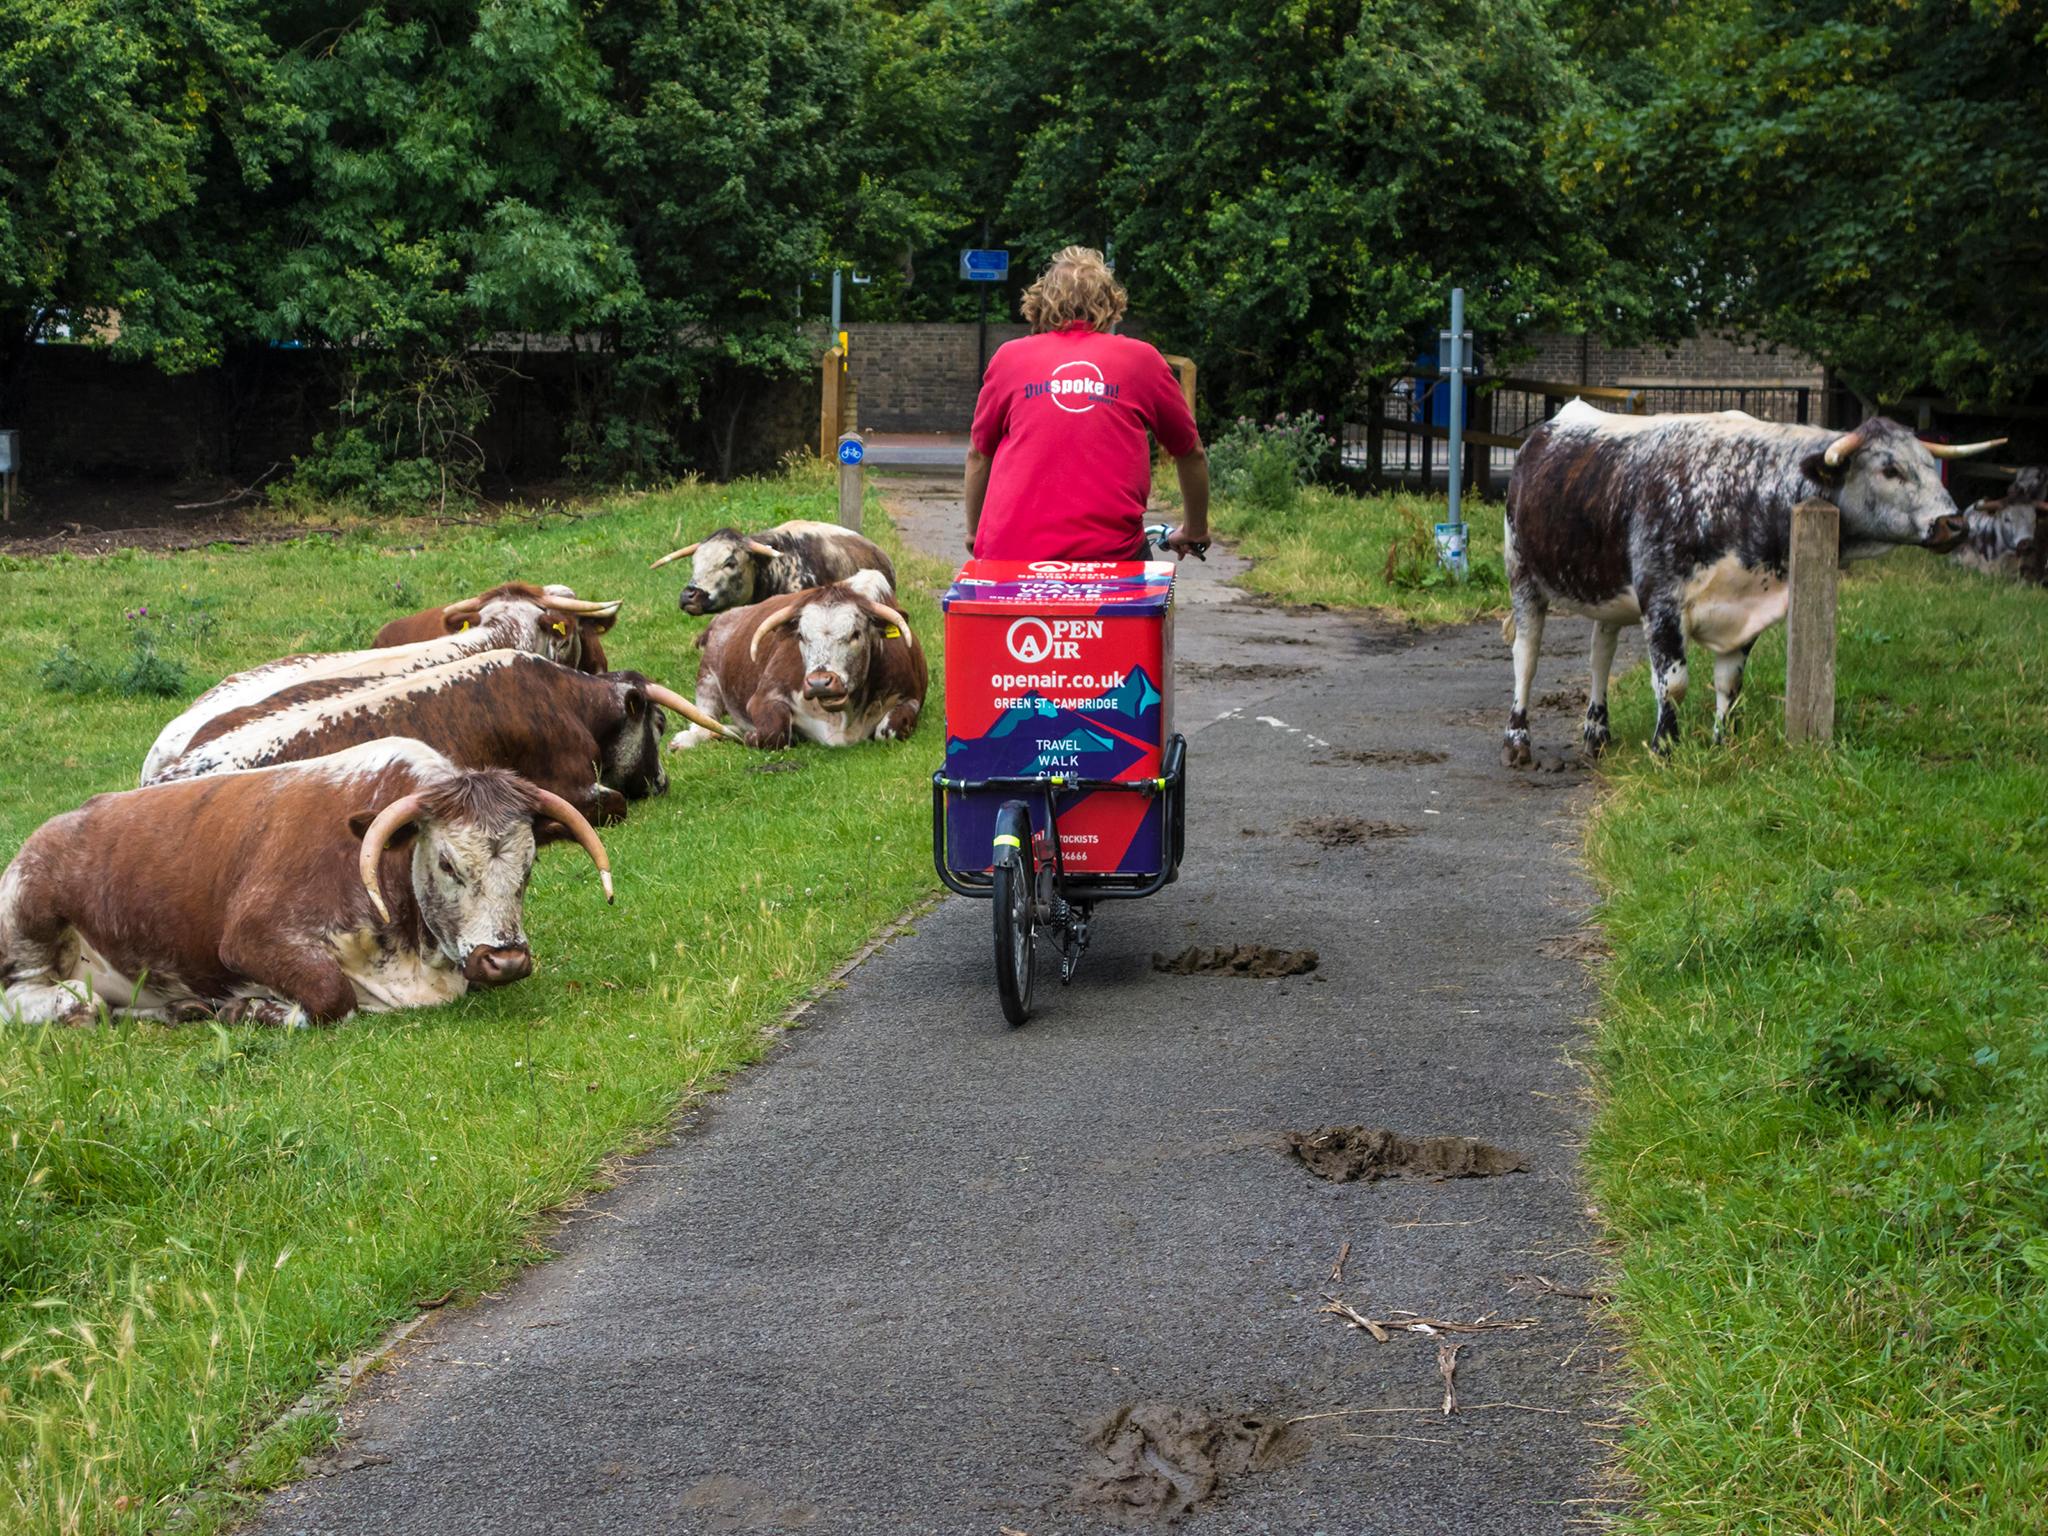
(1016, 946)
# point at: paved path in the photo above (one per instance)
(918, 1272)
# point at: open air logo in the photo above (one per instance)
(1034, 640)
(1030, 641)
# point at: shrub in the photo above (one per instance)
(1268, 463)
(1412, 563)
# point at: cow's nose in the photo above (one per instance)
(692, 600)
(494, 965)
(823, 685)
(1947, 531)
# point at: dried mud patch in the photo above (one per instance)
(1342, 1153)
(1240, 671)
(1157, 1462)
(1380, 757)
(1261, 962)
(1347, 831)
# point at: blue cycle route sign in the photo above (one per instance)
(984, 266)
(852, 451)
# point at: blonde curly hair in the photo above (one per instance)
(1078, 286)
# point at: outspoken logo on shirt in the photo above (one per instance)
(1077, 387)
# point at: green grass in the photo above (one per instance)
(1822, 1061)
(1334, 549)
(194, 1221)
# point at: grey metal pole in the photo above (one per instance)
(835, 306)
(1454, 365)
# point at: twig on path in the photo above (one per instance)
(1343, 1253)
(1447, 1367)
(1418, 1439)
(1414, 1322)
(1550, 1287)
(232, 496)
(1432, 1408)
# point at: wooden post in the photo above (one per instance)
(851, 453)
(831, 396)
(1815, 563)
(1184, 370)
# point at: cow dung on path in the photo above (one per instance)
(1347, 831)
(1159, 1462)
(1342, 1153)
(1261, 962)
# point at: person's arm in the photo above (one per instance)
(1192, 470)
(976, 491)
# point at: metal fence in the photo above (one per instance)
(1402, 440)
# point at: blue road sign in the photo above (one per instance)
(984, 266)
(852, 451)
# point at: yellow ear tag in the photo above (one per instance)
(465, 625)
(559, 627)
(892, 633)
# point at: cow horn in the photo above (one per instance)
(668, 698)
(774, 620)
(1961, 450)
(389, 820)
(463, 609)
(765, 551)
(675, 554)
(1842, 447)
(583, 605)
(579, 828)
(893, 617)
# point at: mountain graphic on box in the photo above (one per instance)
(1019, 743)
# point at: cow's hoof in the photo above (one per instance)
(1596, 738)
(687, 738)
(1514, 750)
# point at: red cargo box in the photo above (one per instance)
(1060, 669)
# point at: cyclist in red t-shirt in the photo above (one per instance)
(1059, 468)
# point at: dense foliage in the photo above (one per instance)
(1289, 191)
(1867, 182)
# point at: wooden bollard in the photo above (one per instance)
(831, 400)
(1814, 564)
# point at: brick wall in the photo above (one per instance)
(918, 378)
(1710, 359)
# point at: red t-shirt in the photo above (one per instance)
(1063, 414)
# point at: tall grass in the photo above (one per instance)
(194, 1221)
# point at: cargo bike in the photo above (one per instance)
(1065, 784)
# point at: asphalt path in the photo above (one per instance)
(919, 1272)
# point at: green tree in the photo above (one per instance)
(124, 125)
(1292, 190)
(1866, 181)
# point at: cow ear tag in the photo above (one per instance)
(465, 625)
(892, 633)
(559, 627)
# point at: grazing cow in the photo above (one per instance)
(729, 569)
(595, 741)
(2002, 532)
(837, 664)
(573, 626)
(381, 877)
(1682, 524)
(511, 619)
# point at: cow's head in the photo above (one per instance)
(472, 839)
(838, 630)
(726, 571)
(629, 748)
(1888, 486)
(548, 621)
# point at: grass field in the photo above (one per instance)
(1822, 1065)
(196, 1220)
(1367, 552)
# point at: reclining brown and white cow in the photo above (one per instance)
(377, 878)
(509, 619)
(595, 741)
(835, 665)
(729, 569)
(573, 627)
